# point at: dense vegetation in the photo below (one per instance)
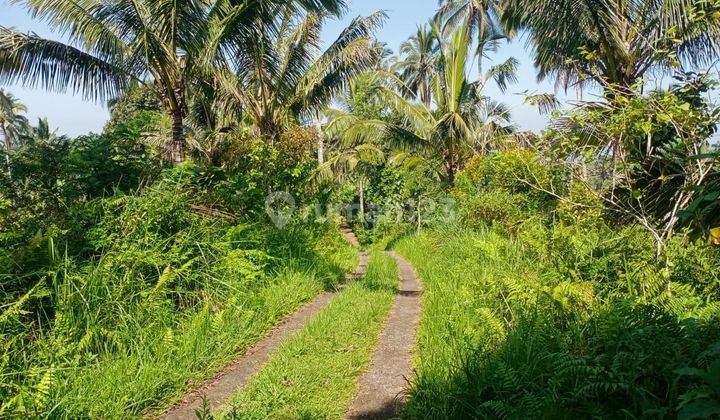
(575, 272)
(160, 293)
(537, 309)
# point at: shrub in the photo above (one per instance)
(263, 168)
(581, 207)
(493, 207)
(168, 291)
(517, 171)
(509, 332)
(695, 263)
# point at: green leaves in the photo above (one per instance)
(285, 81)
(611, 42)
(51, 65)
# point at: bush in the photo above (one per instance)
(262, 168)
(509, 332)
(166, 289)
(545, 308)
(581, 207)
(516, 171)
(493, 207)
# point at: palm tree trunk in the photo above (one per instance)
(451, 172)
(320, 145)
(451, 166)
(362, 202)
(426, 93)
(6, 138)
(177, 149)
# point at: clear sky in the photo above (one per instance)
(73, 116)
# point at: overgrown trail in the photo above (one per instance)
(350, 237)
(381, 387)
(227, 382)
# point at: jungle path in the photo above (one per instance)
(380, 391)
(228, 381)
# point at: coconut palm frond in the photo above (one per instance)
(504, 73)
(545, 102)
(611, 42)
(37, 62)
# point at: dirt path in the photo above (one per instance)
(381, 387)
(227, 382)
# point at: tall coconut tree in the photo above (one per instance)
(615, 42)
(12, 121)
(459, 123)
(349, 161)
(482, 19)
(113, 44)
(287, 79)
(419, 58)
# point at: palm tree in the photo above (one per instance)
(42, 131)
(481, 19)
(12, 123)
(613, 42)
(350, 161)
(113, 44)
(287, 80)
(460, 123)
(353, 162)
(417, 66)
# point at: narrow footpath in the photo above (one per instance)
(381, 388)
(227, 382)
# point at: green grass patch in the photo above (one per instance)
(314, 374)
(166, 366)
(122, 345)
(506, 334)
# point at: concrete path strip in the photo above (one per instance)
(381, 389)
(227, 382)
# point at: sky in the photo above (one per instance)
(72, 115)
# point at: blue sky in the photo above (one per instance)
(73, 116)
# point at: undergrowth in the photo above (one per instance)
(165, 291)
(563, 322)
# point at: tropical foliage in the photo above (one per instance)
(12, 121)
(615, 43)
(174, 44)
(568, 273)
(460, 121)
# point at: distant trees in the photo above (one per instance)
(482, 19)
(418, 61)
(13, 124)
(459, 122)
(479, 17)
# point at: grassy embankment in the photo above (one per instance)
(172, 297)
(509, 331)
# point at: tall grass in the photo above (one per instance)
(171, 298)
(525, 327)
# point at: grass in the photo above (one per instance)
(450, 322)
(187, 355)
(160, 298)
(164, 353)
(314, 374)
(505, 335)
